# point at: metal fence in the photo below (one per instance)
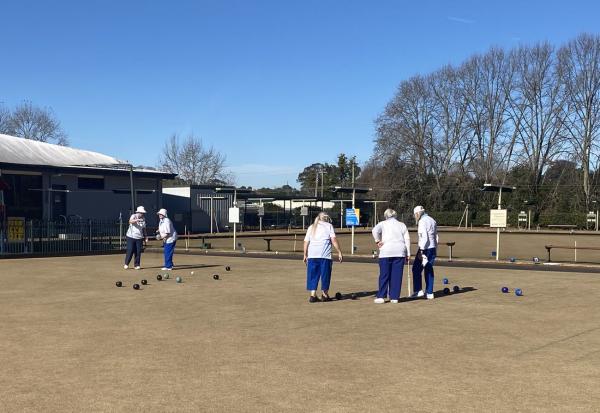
(53, 238)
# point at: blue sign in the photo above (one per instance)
(352, 217)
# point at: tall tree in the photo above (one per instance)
(579, 68)
(193, 162)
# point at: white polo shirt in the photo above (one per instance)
(320, 243)
(427, 230)
(395, 238)
(165, 226)
(136, 230)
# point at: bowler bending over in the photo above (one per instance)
(317, 256)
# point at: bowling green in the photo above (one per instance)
(72, 341)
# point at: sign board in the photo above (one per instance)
(498, 218)
(234, 215)
(16, 229)
(304, 211)
(352, 217)
(261, 211)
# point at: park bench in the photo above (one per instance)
(560, 226)
(269, 239)
(567, 247)
(450, 245)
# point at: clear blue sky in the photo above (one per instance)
(275, 85)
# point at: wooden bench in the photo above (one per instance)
(568, 247)
(562, 226)
(268, 240)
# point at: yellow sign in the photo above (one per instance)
(16, 229)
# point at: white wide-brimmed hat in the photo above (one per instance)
(162, 212)
(140, 210)
(418, 209)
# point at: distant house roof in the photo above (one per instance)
(27, 152)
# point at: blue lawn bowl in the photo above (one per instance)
(518, 292)
(505, 290)
(445, 281)
(493, 253)
(513, 259)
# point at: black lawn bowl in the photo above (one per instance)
(446, 290)
(159, 277)
(136, 286)
(228, 268)
(338, 296)
(144, 282)
(119, 284)
(216, 277)
(456, 288)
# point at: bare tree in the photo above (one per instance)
(579, 68)
(35, 123)
(4, 117)
(536, 109)
(193, 162)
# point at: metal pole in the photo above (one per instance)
(132, 189)
(260, 218)
(353, 207)
(467, 218)
(529, 219)
(211, 214)
(597, 220)
(316, 182)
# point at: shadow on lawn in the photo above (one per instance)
(437, 294)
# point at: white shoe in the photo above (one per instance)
(379, 300)
(430, 296)
(138, 268)
(125, 267)
(394, 301)
(418, 294)
(164, 269)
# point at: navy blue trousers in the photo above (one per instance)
(134, 248)
(417, 270)
(318, 268)
(390, 277)
(168, 252)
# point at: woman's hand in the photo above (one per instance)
(305, 258)
(340, 256)
(379, 244)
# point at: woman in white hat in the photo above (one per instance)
(135, 237)
(166, 232)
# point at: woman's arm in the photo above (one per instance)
(337, 247)
(305, 251)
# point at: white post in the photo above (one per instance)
(498, 229)
(467, 218)
(575, 251)
(597, 220)
(260, 217)
(186, 238)
(235, 223)
(529, 219)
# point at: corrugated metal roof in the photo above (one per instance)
(21, 151)
(29, 152)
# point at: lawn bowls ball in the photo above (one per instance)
(166, 276)
(445, 281)
(338, 296)
(446, 290)
(159, 277)
(216, 277)
(178, 280)
(144, 282)
(136, 286)
(456, 288)
(228, 268)
(505, 290)
(518, 292)
(119, 284)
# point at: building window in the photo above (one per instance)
(90, 183)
